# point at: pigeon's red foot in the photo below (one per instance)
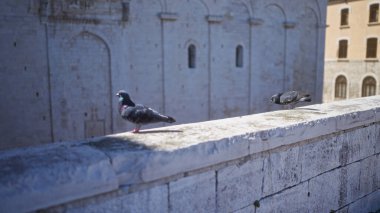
(135, 130)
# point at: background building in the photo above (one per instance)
(352, 67)
(62, 61)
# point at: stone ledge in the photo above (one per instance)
(31, 179)
(163, 152)
(34, 178)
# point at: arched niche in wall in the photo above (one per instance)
(81, 89)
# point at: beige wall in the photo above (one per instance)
(357, 31)
(355, 67)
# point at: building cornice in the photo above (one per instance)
(333, 2)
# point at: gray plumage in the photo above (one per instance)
(290, 98)
(138, 113)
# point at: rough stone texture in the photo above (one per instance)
(193, 194)
(130, 152)
(350, 176)
(325, 191)
(369, 203)
(281, 170)
(151, 200)
(239, 185)
(50, 176)
(68, 58)
(377, 170)
(294, 199)
(353, 148)
(377, 137)
(368, 179)
(320, 157)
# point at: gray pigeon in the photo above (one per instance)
(290, 98)
(137, 113)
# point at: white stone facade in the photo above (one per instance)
(62, 61)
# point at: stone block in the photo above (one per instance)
(247, 209)
(46, 177)
(294, 199)
(193, 157)
(352, 175)
(193, 194)
(239, 185)
(147, 157)
(377, 138)
(282, 169)
(368, 203)
(377, 118)
(343, 210)
(377, 170)
(325, 191)
(368, 179)
(150, 200)
(355, 119)
(320, 156)
(357, 144)
(289, 126)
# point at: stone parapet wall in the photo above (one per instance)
(311, 159)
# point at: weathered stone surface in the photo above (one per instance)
(356, 118)
(239, 185)
(50, 176)
(377, 170)
(320, 156)
(377, 111)
(344, 210)
(288, 126)
(353, 147)
(281, 170)
(193, 194)
(294, 199)
(351, 176)
(369, 203)
(368, 177)
(150, 200)
(136, 157)
(325, 191)
(377, 138)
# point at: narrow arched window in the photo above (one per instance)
(191, 52)
(344, 14)
(239, 56)
(369, 87)
(341, 87)
(343, 46)
(371, 48)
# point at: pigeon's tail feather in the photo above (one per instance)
(170, 119)
(306, 98)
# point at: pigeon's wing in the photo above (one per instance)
(288, 97)
(144, 115)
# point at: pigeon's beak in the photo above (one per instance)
(117, 94)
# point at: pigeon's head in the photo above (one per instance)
(124, 98)
(276, 98)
